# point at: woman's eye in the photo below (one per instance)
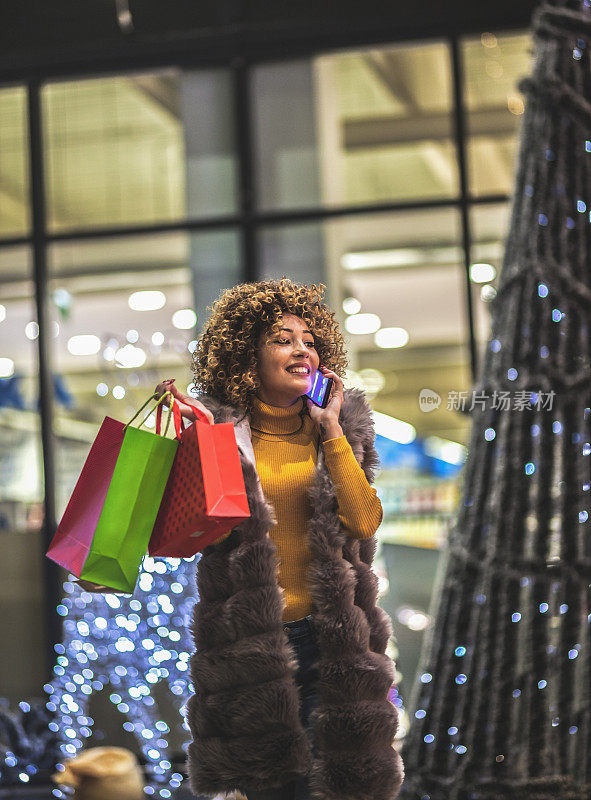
(310, 344)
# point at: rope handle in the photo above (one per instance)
(180, 422)
(158, 407)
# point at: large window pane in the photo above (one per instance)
(139, 149)
(14, 164)
(494, 65)
(21, 485)
(355, 127)
(93, 283)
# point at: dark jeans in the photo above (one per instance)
(302, 637)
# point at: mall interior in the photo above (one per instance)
(152, 155)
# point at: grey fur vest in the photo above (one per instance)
(244, 715)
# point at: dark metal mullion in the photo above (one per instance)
(460, 135)
(280, 217)
(39, 244)
(246, 184)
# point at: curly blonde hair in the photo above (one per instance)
(225, 359)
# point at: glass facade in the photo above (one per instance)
(342, 168)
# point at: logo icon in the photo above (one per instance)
(429, 400)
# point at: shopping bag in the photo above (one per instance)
(205, 495)
(107, 523)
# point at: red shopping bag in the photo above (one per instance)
(205, 495)
(105, 528)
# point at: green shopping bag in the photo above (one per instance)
(107, 525)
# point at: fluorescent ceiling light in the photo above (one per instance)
(147, 300)
(482, 273)
(394, 429)
(157, 338)
(6, 367)
(86, 344)
(445, 450)
(362, 323)
(391, 337)
(129, 356)
(351, 305)
(31, 330)
(401, 257)
(184, 319)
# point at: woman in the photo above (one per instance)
(290, 673)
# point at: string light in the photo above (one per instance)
(126, 646)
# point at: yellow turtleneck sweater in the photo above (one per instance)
(286, 453)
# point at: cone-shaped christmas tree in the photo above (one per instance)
(503, 703)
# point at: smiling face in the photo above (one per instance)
(286, 362)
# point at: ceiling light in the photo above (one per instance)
(2, 313)
(31, 330)
(445, 450)
(146, 300)
(157, 338)
(132, 336)
(362, 323)
(192, 346)
(482, 273)
(394, 429)
(351, 305)
(401, 257)
(391, 337)
(6, 367)
(85, 344)
(185, 318)
(102, 389)
(109, 353)
(129, 356)
(488, 293)
(118, 392)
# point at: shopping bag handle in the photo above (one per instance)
(158, 410)
(179, 422)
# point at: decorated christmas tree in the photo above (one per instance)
(501, 707)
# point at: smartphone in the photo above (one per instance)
(319, 394)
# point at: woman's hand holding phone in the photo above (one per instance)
(328, 418)
(182, 400)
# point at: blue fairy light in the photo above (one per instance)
(420, 713)
(516, 693)
(557, 314)
(461, 749)
(542, 220)
(516, 616)
(460, 651)
(530, 468)
(426, 677)
(495, 345)
(573, 729)
(543, 608)
(583, 516)
(542, 684)
(429, 738)
(461, 679)
(127, 645)
(570, 223)
(452, 731)
(542, 290)
(588, 146)
(581, 206)
(512, 373)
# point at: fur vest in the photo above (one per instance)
(244, 715)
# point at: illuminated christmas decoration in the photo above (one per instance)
(126, 645)
(501, 708)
